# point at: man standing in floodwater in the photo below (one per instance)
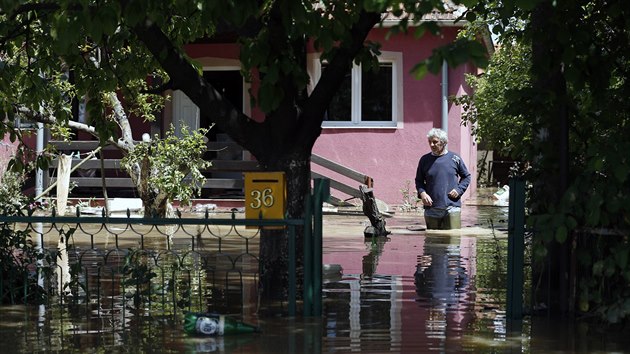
(441, 179)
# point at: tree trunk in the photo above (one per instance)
(274, 243)
(552, 183)
(155, 202)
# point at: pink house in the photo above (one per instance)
(377, 125)
(388, 150)
(7, 151)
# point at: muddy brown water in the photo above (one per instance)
(415, 291)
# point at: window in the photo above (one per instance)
(366, 99)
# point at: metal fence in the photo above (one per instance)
(155, 265)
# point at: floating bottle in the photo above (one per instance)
(215, 325)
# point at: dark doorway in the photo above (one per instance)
(229, 83)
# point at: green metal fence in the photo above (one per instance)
(160, 266)
(516, 249)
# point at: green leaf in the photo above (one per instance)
(621, 172)
(571, 222)
(420, 70)
(419, 32)
(621, 257)
(469, 3)
(134, 12)
(109, 19)
(561, 234)
(598, 268)
(540, 251)
(434, 64)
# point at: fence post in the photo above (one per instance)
(308, 258)
(292, 280)
(516, 249)
(321, 193)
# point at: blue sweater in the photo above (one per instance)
(438, 175)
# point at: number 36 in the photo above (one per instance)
(261, 198)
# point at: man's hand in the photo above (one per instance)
(426, 199)
(453, 194)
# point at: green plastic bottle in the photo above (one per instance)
(215, 325)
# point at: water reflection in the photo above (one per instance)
(415, 292)
(411, 292)
(443, 283)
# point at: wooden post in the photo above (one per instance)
(63, 182)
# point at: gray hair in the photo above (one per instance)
(438, 133)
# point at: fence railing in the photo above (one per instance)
(177, 264)
(158, 266)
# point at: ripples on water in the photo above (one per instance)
(412, 292)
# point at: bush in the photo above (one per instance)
(19, 257)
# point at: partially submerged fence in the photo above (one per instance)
(160, 266)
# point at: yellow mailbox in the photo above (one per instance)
(265, 194)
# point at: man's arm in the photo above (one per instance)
(421, 186)
(420, 179)
(464, 177)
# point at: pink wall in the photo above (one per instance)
(7, 150)
(390, 156)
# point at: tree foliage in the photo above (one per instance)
(167, 162)
(554, 97)
(488, 112)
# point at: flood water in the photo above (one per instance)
(415, 291)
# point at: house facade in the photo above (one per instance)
(388, 149)
(7, 151)
(378, 122)
(376, 125)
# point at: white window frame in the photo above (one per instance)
(396, 59)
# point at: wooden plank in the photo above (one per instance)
(121, 182)
(94, 163)
(113, 182)
(85, 145)
(224, 183)
(234, 165)
(217, 165)
(78, 145)
(343, 170)
(342, 187)
(224, 146)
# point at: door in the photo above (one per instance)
(185, 113)
(229, 83)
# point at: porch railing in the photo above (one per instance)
(222, 175)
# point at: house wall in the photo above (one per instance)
(7, 151)
(390, 155)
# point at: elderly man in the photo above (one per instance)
(441, 179)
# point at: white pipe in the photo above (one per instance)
(39, 173)
(445, 96)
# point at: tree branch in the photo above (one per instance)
(126, 139)
(185, 77)
(316, 105)
(159, 89)
(49, 118)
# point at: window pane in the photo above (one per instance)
(376, 94)
(340, 106)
